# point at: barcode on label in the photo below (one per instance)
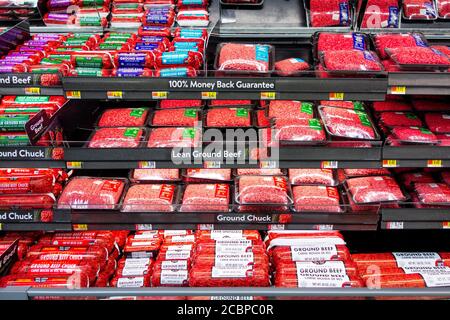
(395, 225)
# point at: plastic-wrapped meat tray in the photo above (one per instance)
(384, 41)
(406, 119)
(316, 198)
(206, 197)
(392, 105)
(294, 131)
(419, 58)
(207, 175)
(350, 61)
(332, 13)
(155, 175)
(262, 190)
(438, 122)
(185, 117)
(123, 117)
(325, 41)
(324, 177)
(188, 137)
(120, 137)
(290, 109)
(374, 189)
(149, 198)
(433, 193)
(228, 118)
(413, 135)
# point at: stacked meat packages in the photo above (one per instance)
(78, 13)
(28, 189)
(315, 259)
(404, 269)
(381, 14)
(332, 13)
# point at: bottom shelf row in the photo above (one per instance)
(239, 258)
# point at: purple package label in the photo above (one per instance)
(59, 3)
(130, 72)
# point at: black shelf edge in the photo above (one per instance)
(415, 225)
(417, 152)
(416, 214)
(35, 227)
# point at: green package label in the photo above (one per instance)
(90, 21)
(358, 106)
(137, 112)
(119, 35)
(46, 70)
(115, 41)
(410, 115)
(90, 62)
(425, 131)
(88, 72)
(364, 119)
(63, 49)
(74, 42)
(315, 124)
(242, 112)
(61, 57)
(82, 36)
(189, 133)
(13, 122)
(51, 61)
(14, 140)
(191, 113)
(91, 3)
(307, 108)
(22, 110)
(131, 132)
(127, 5)
(30, 99)
(110, 46)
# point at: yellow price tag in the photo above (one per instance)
(160, 94)
(1, 226)
(114, 94)
(336, 96)
(209, 95)
(74, 165)
(434, 163)
(268, 164)
(32, 90)
(73, 94)
(445, 225)
(329, 165)
(80, 227)
(146, 164)
(211, 164)
(390, 163)
(268, 95)
(397, 90)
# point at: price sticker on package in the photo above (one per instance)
(209, 95)
(336, 96)
(390, 164)
(159, 95)
(268, 95)
(80, 227)
(74, 165)
(146, 164)
(33, 90)
(114, 94)
(73, 94)
(397, 90)
(434, 163)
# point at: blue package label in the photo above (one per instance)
(173, 72)
(438, 52)
(191, 33)
(131, 60)
(344, 14)
(160, 19)
(359, 42)
(130, 72)
(174, 58)
(296, 60)
(262, 53)
(185, 50)
(191, 2)
(369, 56)
(185, 45)
(430, 11)
(393, 17)
(419, 40)
(151, 39)
(152, 28)
(148, 46)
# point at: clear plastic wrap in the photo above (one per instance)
(202, 175)
(262, 190)
(149, 198)
(324, 177)
(174, 137)
(120, 137)
(433, 193)
(123, 117)
(374, 189)
(316, 198)
(438, 122)
(156, 175)
(244, 57)
(414, 135)
(350, 61)
(228, 117)
(206, 197)
(185, 117)
(290, 109)
(397, 118)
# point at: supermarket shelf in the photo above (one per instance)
(35, 227)
(417, 83)
(24, 293)
(417, 152)
(415, 225)
(416, 215)
(31, 216)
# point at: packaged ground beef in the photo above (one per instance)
(171, 104)
(174, 137)
(443, 7)
(206, 197)
(430, 193)
(329, 13)
(324, 177)
(353, 105)
(414, 135)
(91, 193)
(341, 41)
(438, 122)
(430, 105)
(262, 190)
(384, 41)
(418, 58)
(123, 117)
(410, 178)
(316, 198)
(120, 137)
(391, 105)
(381, 14)
(374, 189)
(290, 109)
(244, 57)
(149, 198)
(291, 130)
(349, 173)
(350, 61)
(202, 175)
(185, 117)
(291, 67)
(228, 117)
(157, 175)
(419, 10)
(258, 172)
(399, 118)
(345, 123)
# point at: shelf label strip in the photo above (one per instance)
(336, 96)
(32, 90)
(114, 94)
(390, 164)
(397, 90)
(159, 95)
(209, 95)
(434, 163)
(73, 94)
(268, 95)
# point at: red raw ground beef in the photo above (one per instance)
(438, 122)
(124, 117)
(391, 105)
(174, 137)
(329, 13)
(156, 174)
(389, 65)
(291, 109)
(149, 198)
(374, 189)
(397, 40)
(116, 138)
(262, 190)
(409, 178)
(259, 172)
(351, 60)
(316, 198)
(192, 175)
(217, 103)
(173, 104)
(294, 130)
(354, 105)
(312, 176)
(418, 56)
(206, 197)
(444, 139)
(399, 118)
(444, 49)
(445, 176)
(414, 135)
(341, 41)
(262, 120)
(244, 57)
(91, 193)
(186, 117)
(228, 117)
(430, 105)
(381, 14)
(291, 66)
(443, 7)
(370, 207)
(430, 193)
(348, 123)
(419, 9)
(365, 172)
